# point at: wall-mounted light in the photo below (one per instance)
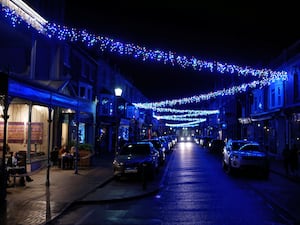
(118, 92)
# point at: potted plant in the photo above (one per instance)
(85, 153)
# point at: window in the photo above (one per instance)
(82, 92)
(76, 66)
(258, 101)
(272, 97)
(106, 106)
(86, 70)
(67, 56)
(85, 91)
(296, 86)
(278, 96)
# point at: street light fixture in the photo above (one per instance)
(118, 93)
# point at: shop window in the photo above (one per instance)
(81, 133)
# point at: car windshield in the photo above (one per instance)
(140, 149)
(237, 145)
(156, 143)
(251, 148)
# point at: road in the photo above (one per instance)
(195, 191)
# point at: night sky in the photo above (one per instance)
(241, 33)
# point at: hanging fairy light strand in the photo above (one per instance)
(19, 12)
(64, 33)
(191, 112)
(188, 124)
(203, 97)
(176, 117)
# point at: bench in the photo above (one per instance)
(16, 171)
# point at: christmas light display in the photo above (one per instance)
(189, 124)
(53, 30)
(191, 112)
(224, 92)
(175, 117)
(17, 11)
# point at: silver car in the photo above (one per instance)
(245, 155)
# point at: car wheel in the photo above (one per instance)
(229, 169)
(152, 173)
(224, 165)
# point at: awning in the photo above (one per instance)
(47, 97)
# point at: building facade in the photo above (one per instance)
(58, 93)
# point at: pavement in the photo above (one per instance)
(37, 204)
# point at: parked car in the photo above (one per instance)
(216, 146)
(138, 158)
(197, 139)
(234, 144)
(160, 148)
(166, 144)
(245, 155)
(204, 141)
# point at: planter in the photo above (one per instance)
(84, 158)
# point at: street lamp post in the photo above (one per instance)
(49, 143)
(118, 94)
(4, 105)
(77, 143)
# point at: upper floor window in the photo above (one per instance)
(296, 86)
(76, 66)
(93, 73)
(85, 91)
(106, 106)
(276, 95)
(273, 97)
(67, 56)
(85, 70)
(258, 101)
(255, 104)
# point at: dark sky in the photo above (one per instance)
(241, 33)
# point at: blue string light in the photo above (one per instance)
(63, 33)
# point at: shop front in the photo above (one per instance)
(37, 122)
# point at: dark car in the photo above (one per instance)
(138, 158)
(204, 141)
(216, 146)
(160, 148)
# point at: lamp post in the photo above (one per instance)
(4, 106)
(118, 94)
(49, 142)
(77, 142)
